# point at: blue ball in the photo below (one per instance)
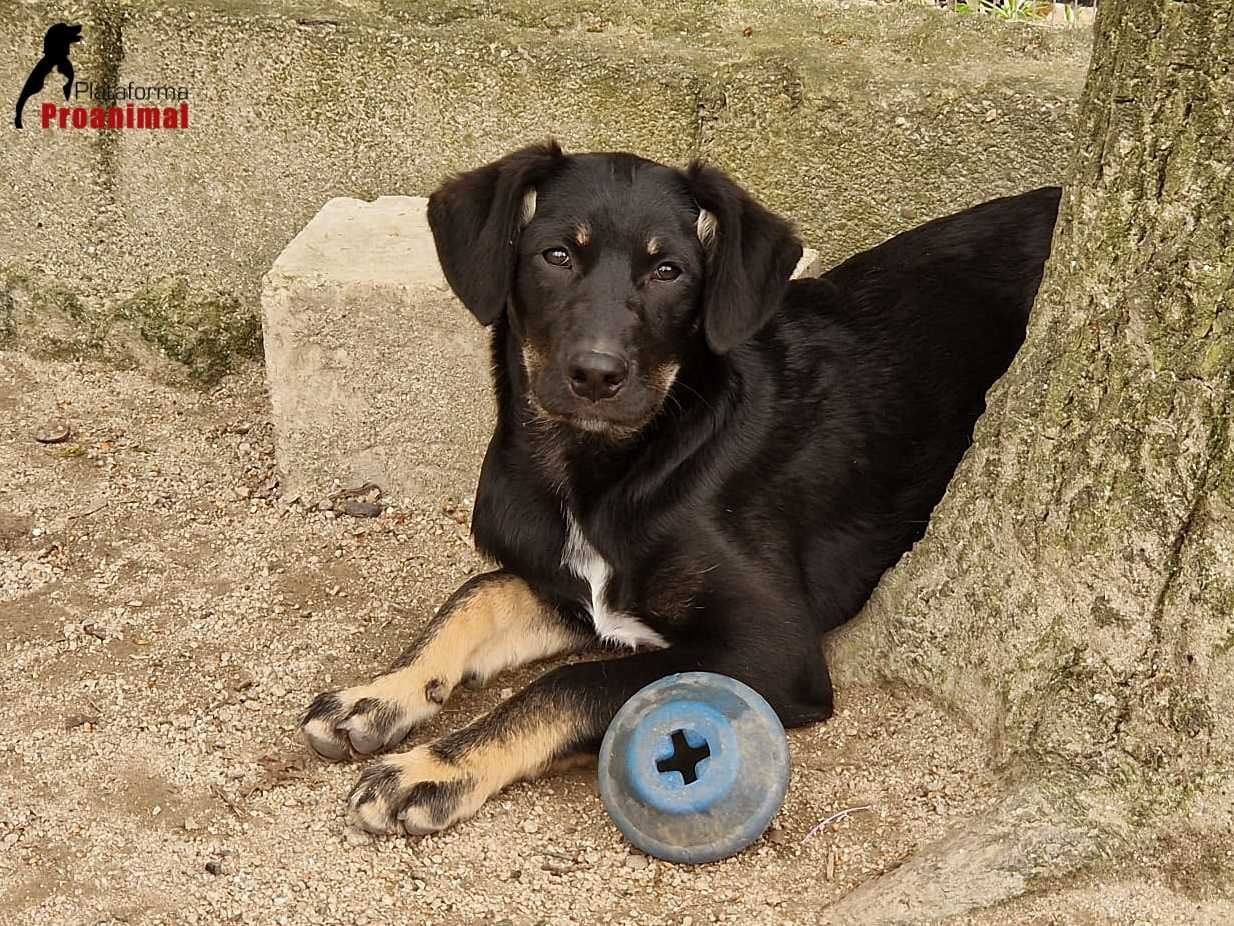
(694, 767)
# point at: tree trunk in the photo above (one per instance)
(1074, 595)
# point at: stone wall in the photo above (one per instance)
(855, 122)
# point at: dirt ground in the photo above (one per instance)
(165, 615)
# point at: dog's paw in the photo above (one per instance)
(366, 719)
(414, 792)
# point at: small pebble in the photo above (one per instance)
(360, 509)
(54, 432)
(354, 836)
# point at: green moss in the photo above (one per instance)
(208, 334)
(1190, 714)
(1226, 644)
(49, 296)
(39, 314)
(8, 319)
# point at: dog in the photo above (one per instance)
(697, 464)
(57, 44)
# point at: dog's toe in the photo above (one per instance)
(341, 725)
(365, 736)
(415, 822)
(320, 730)
(414, 792)
(324, 740)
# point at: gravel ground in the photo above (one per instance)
(166, 615)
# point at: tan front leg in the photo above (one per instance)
(561, 715)
(493, 622)
(435, 785)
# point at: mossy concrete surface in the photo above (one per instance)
(164, 326)
(854, 122)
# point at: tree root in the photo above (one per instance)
(1038, 832)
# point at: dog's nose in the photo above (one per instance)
(595, 375)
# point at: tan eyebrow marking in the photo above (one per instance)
(653, 247)
(706, 226)
(529, 206)
(582, 235)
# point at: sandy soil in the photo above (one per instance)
(164, 617)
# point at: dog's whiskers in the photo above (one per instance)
(702, 398)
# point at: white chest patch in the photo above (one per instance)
(582, 559)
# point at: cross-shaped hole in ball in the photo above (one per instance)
(685, 758)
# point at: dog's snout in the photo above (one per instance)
(596, 375)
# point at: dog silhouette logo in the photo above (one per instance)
(57, 43)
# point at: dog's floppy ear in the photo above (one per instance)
(751, 253)
(476, 218)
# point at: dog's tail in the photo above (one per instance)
(34, 83)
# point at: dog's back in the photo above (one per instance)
(882, 366)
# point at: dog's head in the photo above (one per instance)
(612, 269)
(59, 39)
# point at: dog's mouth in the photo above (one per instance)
(603, 427)
(611, 428)
(617, 419)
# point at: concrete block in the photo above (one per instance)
(376, 372)
(810, 266)
(854, 122)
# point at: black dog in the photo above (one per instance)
(694, 458)
(57, 43)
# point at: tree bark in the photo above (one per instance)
(1074, 594)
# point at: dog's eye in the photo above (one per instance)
(558, 257)
(667, 271)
